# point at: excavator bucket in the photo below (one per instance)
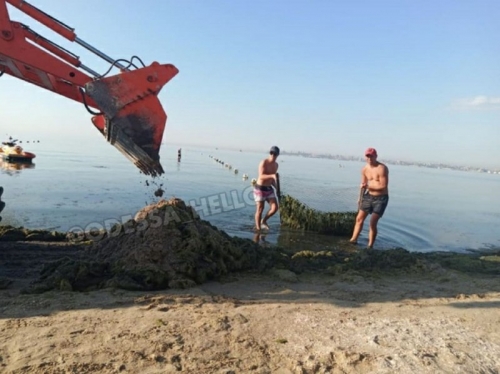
(133, 119)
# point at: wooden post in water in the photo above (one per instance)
(2, 204)
(361, 194)
(278, 188)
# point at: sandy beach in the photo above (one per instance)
(185, 297)
(275, 322)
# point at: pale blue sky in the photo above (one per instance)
(418, 80)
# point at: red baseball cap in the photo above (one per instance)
(371, 152)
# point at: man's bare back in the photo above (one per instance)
(267, 172)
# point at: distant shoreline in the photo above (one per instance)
(430, 165)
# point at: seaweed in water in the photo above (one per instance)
(298, 216)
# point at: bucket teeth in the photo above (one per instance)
(117, 137)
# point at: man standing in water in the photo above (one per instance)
(263, 189)
(374, 196)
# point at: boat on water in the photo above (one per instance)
(12, 152)
(11, 168)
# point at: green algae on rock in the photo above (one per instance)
(477, 262)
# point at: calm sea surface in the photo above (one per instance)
(84, 186)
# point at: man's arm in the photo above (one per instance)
(364, 179)
(362, 187)
(275, 177)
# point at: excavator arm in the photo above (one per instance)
(125, 107)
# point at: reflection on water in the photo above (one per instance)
(14, 168)
(308, 241)
(299, 240)
(261, 238)
(11, 169)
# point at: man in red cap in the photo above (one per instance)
(374, 196)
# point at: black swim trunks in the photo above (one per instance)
(374, 204)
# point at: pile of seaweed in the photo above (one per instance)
(298, 216)
(166, 245)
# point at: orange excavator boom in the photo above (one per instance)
(127, 110)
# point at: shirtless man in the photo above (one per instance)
(263, 190)
(374, 180)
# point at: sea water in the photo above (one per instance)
(73, 187)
